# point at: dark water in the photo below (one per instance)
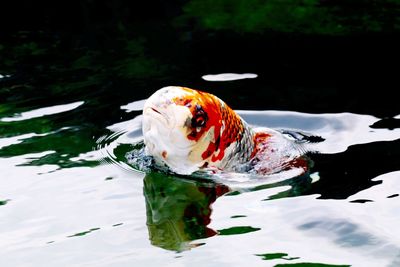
(71, 90)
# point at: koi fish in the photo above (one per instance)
(188, 130)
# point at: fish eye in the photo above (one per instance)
(200, 121)
(200, 118)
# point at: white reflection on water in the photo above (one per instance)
(134, 106)
(222, 77)
(340, 130)
(48, 208)
(4, 76)
(329, 231)
(40, 112)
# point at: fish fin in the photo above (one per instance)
(302, 137)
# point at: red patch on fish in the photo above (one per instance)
(217, 115)
(260, 143)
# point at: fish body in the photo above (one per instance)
(189, 130)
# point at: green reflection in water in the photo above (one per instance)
(274, 256)
(102, 76)
(179, 210)
(29, 48)
(309, 264)
(84, 233)
(66, 144)
(300, 16)
(238, 216)
(298, 186)
(37, 125)
(136, 64)
(237, 230)
(3, 202)
(81, 67)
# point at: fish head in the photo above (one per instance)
(182, 128)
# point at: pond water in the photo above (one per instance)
(71, 198)
(71, 92)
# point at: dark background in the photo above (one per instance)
(317, 56)
(311, 56)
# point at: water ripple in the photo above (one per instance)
(36, 113)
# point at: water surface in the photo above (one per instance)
(70, 197)
(73, 79)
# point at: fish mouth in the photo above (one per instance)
(165, 119)
(155, 110)
(157, 114)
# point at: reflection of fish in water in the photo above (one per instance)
(178, 210)
(189, 130)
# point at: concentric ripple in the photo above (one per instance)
(124, 145)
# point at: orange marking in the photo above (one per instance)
(164, 154)
(217, 114)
